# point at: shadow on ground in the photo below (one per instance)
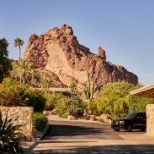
(71, 132)
(61, 130)
(111, 149)
(88, 138)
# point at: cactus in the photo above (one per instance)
(89, 89)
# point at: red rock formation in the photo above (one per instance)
(101, 53)
(58, 51)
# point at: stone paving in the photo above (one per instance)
(77, 137)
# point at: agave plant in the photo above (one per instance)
(9, 135)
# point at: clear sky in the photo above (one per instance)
(123, 28)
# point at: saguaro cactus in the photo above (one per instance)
(89, 89)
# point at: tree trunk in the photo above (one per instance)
(19, 53)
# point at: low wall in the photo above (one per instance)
(24, 115)
(150, 119)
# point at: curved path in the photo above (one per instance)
(70, 137)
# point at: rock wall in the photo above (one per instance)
(23, 115)
(150, 119)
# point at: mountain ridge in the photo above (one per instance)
(59, 51)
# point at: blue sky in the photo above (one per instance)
(124, 29)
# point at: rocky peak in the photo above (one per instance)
(101, 53)
(59, 51)
(67, 29)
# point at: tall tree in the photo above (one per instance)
(5, 63)
(114, 99)
(18, 43)
(22, 69)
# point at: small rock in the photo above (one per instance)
(93, 118)
(71, 117)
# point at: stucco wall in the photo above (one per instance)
(150, 119)
(22, 114)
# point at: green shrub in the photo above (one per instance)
(113, 99)
(100, 120)
(39, 121)
(12, 93)
(36, 99)
(66, 106)
(51, 100)
(92, 107)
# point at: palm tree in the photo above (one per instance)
(45, 80)
(22, 69)
(18, 43)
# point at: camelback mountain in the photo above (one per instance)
(58, 52)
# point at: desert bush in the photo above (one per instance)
(134, 102)
(51, 100)
(12, 93)
(114, 99)
(66, 106)
(92, 107)
(39, 121)
(36, 99)
(100, 120)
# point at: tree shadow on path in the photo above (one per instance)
(106, 149)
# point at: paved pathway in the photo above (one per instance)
(71, 137)
(62, 130)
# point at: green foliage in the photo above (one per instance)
(66, 106)
(5, 63)
(92, 106)
(39, 121)
(51, 100)
(9, 135)
(73, 86)
(22, 69)
(12, 93)
(36, 99)
(89, 89)
(138, 104)
(114, 99)
(100, 120)
(45, 81)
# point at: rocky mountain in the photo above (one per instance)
(58, 51)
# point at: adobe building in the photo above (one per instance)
(148, 92)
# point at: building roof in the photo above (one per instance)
(57, 89)
(146, 91)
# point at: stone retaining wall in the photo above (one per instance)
(22, 114)
(150, 119)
